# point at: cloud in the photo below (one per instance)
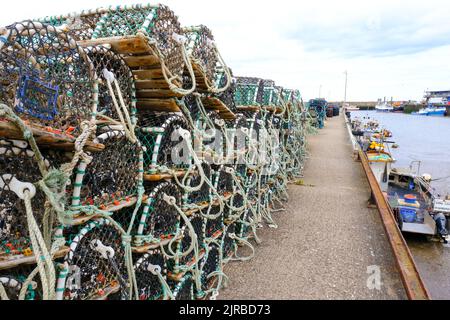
(389, 47)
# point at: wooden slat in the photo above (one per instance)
(162, 176)
(121, 45)
(142, 61)
(146, 247)
(11, 263)
(46, 138)
(157, 93)
(82, 219)
(151, 84)
(248, 108)
(212, 103)
(200, 76)
(168, 105)
(148, 74)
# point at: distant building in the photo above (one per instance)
(437, 97)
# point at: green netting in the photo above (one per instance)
(201, 48)
(51, 87)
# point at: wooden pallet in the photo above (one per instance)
(46, 138)
(152, 90)
(212, 103)
(14, 261)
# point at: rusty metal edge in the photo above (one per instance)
(411, 279)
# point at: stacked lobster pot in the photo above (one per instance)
(144, 174)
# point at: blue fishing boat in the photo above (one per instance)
(431, 111)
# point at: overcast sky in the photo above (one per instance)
(390, 48)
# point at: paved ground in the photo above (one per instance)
(326, 239)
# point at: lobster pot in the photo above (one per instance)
(249, 91)
(184, 288)
(211, 262)
(270, 94)
(19, 171)
(46, 77)
(14, 279)
(237, 131)
(95, 267)
(228, 96)
(251, 189)
(156, 21)
(200, 47)
(106, 61)
(211, 145)
(163, 144)
(231, 214)
(229, 244)
(214, 227)
(223, 181)
(158, 220)
(149, 284)
(203, 195)
(191, 102)
(184, 245)
(111, 179)
(80, 26)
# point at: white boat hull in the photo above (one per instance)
(381, 171)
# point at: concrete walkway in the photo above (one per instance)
(326, 239)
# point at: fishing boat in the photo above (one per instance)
(380, 162)
(383, 107)
(415, 207)
(350, 108)
(431, 111)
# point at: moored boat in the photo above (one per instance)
(415, 207)
(383, 107)
(431, 111)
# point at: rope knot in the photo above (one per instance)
(126, 240)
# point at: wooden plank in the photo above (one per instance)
(157, 93)
(200, 76)
(146, 247)
(162, 176)
(248, 108)
(142, 61)
(82, 219)
(14, 261)
(121, 45)
(168, 105)
(212, 103)
(106, 292)
(151, 84)
(46, 138)
(148, 74)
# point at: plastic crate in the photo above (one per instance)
(408, 214)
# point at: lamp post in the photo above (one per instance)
(345, 89)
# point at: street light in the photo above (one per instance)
(345, 90)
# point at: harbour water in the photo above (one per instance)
(420, 138)
(425, 139)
